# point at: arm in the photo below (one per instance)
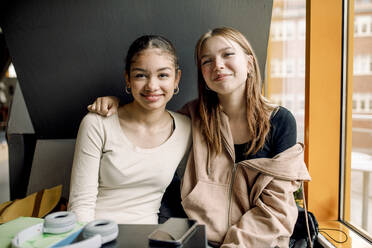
(105, 106)
(85, 169)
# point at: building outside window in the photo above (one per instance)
(286, 58)
(363, 25)
(285, 85)
(361, 151)
(363, 63)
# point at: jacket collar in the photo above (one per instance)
(287, 165)
(227, 135)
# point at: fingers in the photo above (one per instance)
(90, 108)
(109, 112)
(99, 106)
(98, 103)
(105, 106)
(114, 103)
(111, 104)
(112, 108)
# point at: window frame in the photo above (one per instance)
(329, 160)
(347, 115)
(328, 112)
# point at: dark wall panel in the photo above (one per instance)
(66, 53)
(51, 156)
(21, 152)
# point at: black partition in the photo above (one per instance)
(67, 53)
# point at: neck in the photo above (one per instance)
(234, 104)
(148, 118)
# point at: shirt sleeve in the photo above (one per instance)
(85, 168)
(284, 131)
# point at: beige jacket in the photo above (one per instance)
(247, 204)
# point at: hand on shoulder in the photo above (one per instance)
(104, 106)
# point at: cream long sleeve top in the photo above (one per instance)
(113, 179)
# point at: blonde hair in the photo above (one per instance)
(258, 108)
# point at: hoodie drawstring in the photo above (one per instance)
(306, 217)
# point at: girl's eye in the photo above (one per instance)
(140, 75)
(229, 54)
(206, 61)
(163, 75)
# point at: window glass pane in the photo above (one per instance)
(361, 157)
(286, 59)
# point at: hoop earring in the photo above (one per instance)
(176, 90)
(128, 90)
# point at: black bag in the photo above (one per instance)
(299, 238)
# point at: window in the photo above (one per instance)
(301, 67)
(286, 82)
(290, 67)
(362, 103)
(275, 68)
(362, 25)
(323, 102)
(287, 68)
(283, 30)
(360, 202)
(290, 29)
(363, 1)
(329, 192)
(363, 63)
(301, 26)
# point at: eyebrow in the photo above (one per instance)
(164, 68)
(222, 49)
(143, 70)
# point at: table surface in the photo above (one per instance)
(135, 236)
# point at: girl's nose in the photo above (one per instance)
(218, 63)
(152, 84)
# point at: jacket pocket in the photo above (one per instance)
(208, 203)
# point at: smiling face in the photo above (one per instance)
(224, 65)
(152, 78)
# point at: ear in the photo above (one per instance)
(126, 76)
(178, 77)
(250, 63)
(250, 59)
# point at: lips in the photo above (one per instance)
(221, 76)
(152, 97)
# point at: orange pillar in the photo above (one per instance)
(323, 105)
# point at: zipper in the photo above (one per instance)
(230, 194)
(230, 151)
(228, 148)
